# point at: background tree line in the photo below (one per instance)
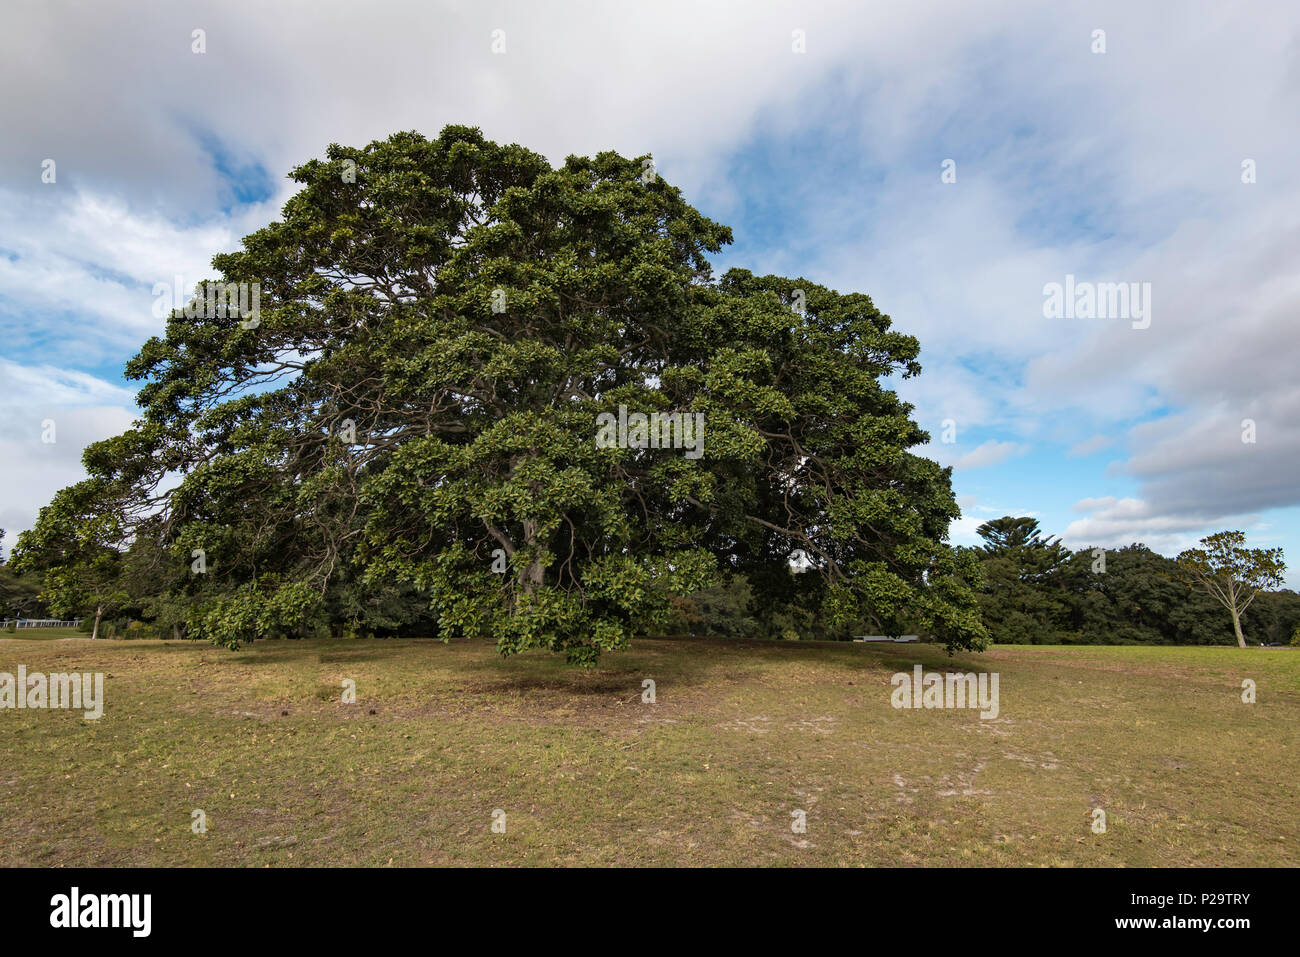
(1033, 591)
(1036, 591)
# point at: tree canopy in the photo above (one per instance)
(1232, 573)
(1022, 594)
(406, 422)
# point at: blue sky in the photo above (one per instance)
(1117, 166)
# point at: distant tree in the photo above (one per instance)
(74, 546)
(1024, 598)
(722, 609)
(1232, 573)
(1002, 535)
(1136, 598)
(19, 593)
(1272, 618)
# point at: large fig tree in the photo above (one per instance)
(415, 405)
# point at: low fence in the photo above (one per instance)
(40, 623)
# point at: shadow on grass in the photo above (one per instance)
(694, 661)
(708, 661)
(321, 650)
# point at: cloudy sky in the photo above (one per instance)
(950, 159)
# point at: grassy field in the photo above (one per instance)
(741, 735)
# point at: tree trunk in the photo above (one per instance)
(99, 612)
(1236, 627)
(530, 577)
(176, 632)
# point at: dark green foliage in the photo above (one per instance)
(1037, 592)
(1023, 598)
(20, 593)
(441, 324)
(1136, 600)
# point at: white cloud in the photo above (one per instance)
(1089, 446)
(989, 453)
(40, 403)
(92, 258)
(1116, 522)
(48, 387)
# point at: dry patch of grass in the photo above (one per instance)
(742, 734)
